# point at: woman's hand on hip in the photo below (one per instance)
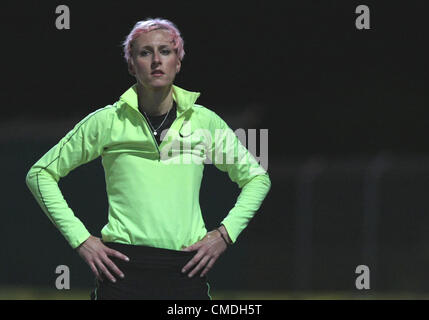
(208, 250)
(96, 255)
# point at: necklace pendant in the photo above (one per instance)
(155, 133)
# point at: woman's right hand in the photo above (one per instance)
(96, 255)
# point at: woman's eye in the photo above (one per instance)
(165, 52)
(144, 53)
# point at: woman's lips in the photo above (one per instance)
(157, 73)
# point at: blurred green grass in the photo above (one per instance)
(40, 293)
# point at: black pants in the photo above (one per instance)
(151, 274)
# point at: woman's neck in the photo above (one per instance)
(155, 102)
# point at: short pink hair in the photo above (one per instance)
(149, 25)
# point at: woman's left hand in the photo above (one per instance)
(209, 250)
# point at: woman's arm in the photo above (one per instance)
(79, 146)
(255, 183)
(84, 143)
(229, 155)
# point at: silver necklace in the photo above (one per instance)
(153, 129)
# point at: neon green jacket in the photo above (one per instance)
(153, 191)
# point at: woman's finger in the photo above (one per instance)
(104, 270)
(208, 266)
(193, 247)
(117, 254)
(193, 261)
(200, 265)
(95, 271)
(112, 266)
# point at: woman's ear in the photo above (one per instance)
(131, 68)
(178, 66)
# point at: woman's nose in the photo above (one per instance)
(156, 58)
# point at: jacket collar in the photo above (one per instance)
(184, 99)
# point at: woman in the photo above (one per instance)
(153, 142)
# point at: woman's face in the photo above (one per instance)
(154, 62)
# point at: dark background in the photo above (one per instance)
(347, 113)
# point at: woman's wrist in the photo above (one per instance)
(224, 235)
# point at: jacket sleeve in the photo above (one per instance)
(80, 145)
(229, 155)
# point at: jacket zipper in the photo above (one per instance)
(153, 137)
